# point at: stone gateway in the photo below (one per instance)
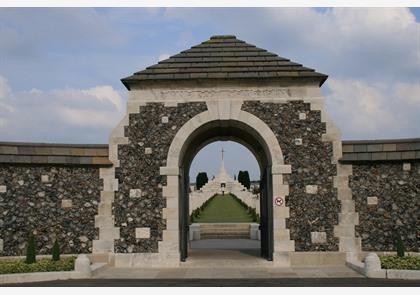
(126, 203)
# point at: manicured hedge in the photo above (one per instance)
(395, 262)
(42, 265)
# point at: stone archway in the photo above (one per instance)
(225, 119)
(138, 214)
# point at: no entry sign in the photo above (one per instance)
(278, 201)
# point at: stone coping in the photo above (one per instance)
(356, 151)
(24, 153)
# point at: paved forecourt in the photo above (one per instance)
(266, 282)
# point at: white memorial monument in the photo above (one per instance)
(223, 184)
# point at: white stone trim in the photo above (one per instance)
(347, 240)
(406, 166)
(105, 221)
(226, 110)
(171, 97)
(372, 201)
(3, 189)
(348, 218)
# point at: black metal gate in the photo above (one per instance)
(183, 214)
(266, 211)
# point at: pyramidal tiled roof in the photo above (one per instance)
(224, 57)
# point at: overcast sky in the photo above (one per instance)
(60, 68)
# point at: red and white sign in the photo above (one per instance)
(278, 201)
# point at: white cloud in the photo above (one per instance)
(4, 88)
(66, 115)
(373, 43)
(105, 93)
(409, 93)
(363, 110)
(5, 107)
(164, 56)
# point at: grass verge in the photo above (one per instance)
(395, 262)
(42, 265)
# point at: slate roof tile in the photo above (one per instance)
(224, 57)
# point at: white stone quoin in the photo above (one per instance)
(3, 189)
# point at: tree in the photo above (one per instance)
(31, 250)
(56, 251)
(240, 177)
(243, 178)
(247, 180)
(201, 180)
(399, 244)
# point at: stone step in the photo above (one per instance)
(223, 225)
(205, 236)
(224, 231)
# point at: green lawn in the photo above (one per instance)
(223, 209)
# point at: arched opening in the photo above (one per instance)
(224, 203)
(237, 131)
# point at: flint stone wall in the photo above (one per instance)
(32, 203)
(150, 134)
(300, 140)
(397, 209)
